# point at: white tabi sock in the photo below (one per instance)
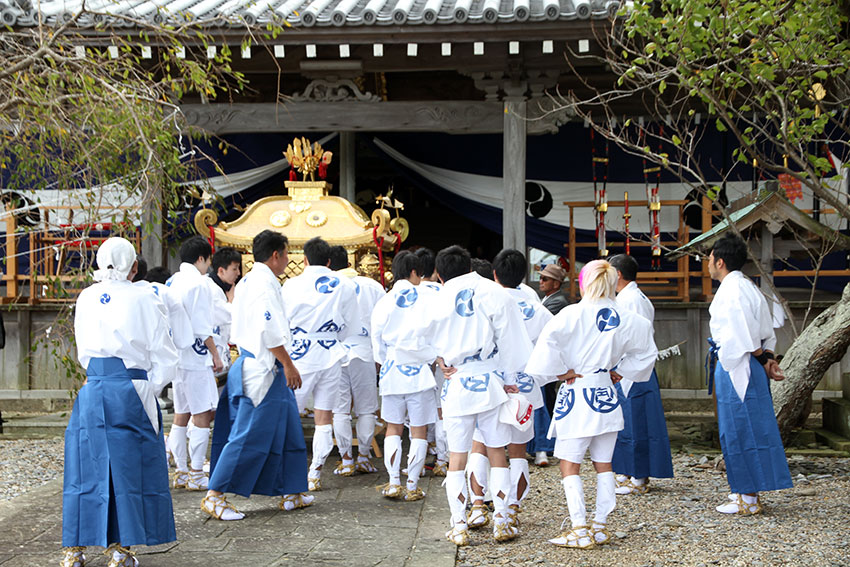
(457, 496)
(440, 440)
(519, 470)
(574, 491)
(606, 500)
(323, 444)
(415, 461)
(177, 444)
(365, 434)
(199, 439)
(392, 457)
(500, 488)
(478, 466)
(342, 432)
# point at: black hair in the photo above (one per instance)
(626, 265)
(732, 250)
(339, 258)
(482, 267)
(223, 257)
(452, 262)
(404, 263)
(194, 248)
(158, 274)
(426, 261)
(141, 269)
(317, 251)
(510, 267)
(267, 243)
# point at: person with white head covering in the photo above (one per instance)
(116, 479)
(742, 341)
(588, 345)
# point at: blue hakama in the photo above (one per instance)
(749, 436)
(258, 450)
(643, 446)
(116, 476)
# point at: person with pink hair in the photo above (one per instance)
(587, 346)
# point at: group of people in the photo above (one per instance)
(462, 354)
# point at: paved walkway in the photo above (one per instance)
(350, 524)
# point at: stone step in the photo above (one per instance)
(834, 440)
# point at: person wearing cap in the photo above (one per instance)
(589, 346)
(115, 492)
(552, 276)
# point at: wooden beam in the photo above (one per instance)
(461, 117)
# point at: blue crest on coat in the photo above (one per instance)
(607, 319)
(364, 332)
(386, 367)
(155, 290)
(200, 348)
(327, 284)
(524, 382)
(433, 286)
(602, 399)
(526, 310)
(217, 331)
(299, 347)
(328, 327)
(356, 288)
(105, 298)
(267, 316)
(475, 383)
(445, 390)
(565, 402)
(406, 297)
(463, 303)
(494, 353)
(472, 357)
(409, 369)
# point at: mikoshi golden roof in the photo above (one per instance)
(306, 212)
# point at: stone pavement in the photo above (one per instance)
(350, 524)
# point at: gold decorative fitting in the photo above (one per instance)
(655, 206)
(316, 219)
(306, 157)
(299, 206)
(602, 207)
(280, 218)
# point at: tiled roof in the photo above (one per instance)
(311, 12)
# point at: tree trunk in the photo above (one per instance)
(823, 343)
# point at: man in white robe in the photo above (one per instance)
(195, 391)
(258, 443)
(480, 337)
(402, 346)
(226, 268)
(743, 341)
(322, 314)
(115, 491)
(358, 387)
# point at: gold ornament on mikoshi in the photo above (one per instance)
(306, 157)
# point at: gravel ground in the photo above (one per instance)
(676, 524)
(28, 463)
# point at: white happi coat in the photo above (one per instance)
(258, 324)
(122, 320)
(368, 292)
(535, 317)
(592, 338)
(221, 320)
(321, 315)
(631, 298)
(178, 320)
(401, 343)
(740, 324)
(529, 293)
(190, 288)
(479, 332)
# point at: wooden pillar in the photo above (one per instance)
(513, 174)
(151, 245)
(347, 151)
(766, 260)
